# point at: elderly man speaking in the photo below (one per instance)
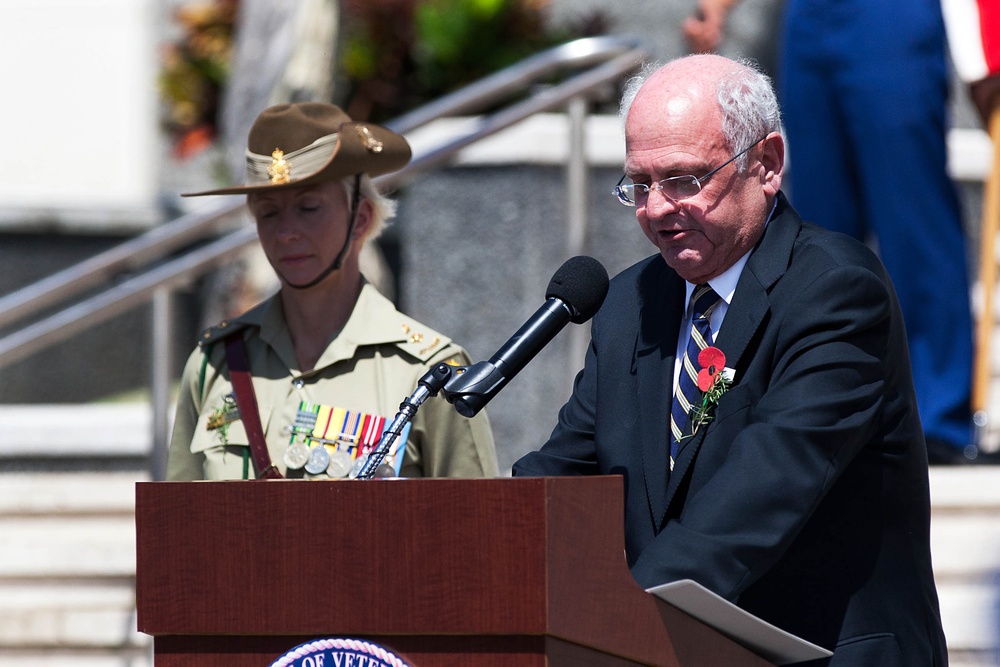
(751, 384)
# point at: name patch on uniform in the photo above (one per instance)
(340, 652)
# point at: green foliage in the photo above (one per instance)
(398, 54)
(193, 71)
(393, 55)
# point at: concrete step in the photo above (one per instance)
(968, 614)
(67, 525)
(965, 523)
(67, 546)
(965, 547)
(74, 613)
(67, 570)
(965, 487)
(87, 430)
(77, 494)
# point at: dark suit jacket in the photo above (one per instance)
(805, 500)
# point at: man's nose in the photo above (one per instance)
(658, 203)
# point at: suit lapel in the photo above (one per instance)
(750, 305)
(751, 302)
(661, 298)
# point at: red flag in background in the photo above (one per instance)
(989, 32)
(974, 37)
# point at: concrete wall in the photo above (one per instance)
(478, 248)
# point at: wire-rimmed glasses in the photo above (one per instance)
(674, 188)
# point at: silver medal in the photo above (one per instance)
(340, 463)
(359, 465)
(319, 459)
(385, 471)
(296, 455)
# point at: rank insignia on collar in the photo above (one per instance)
(434, 343)
(279, 171)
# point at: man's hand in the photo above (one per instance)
(705, 30)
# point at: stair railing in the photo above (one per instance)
(596, 64)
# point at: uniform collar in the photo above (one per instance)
(374, 320)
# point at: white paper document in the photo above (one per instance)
(767, 641)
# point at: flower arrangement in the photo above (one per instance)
(714, 379)
(398, 54)
(193, 71)
(392, 55)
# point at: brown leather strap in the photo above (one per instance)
(246, 401)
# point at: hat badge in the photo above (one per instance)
(372, 144)
(279, 171)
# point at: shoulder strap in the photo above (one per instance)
(246, 401)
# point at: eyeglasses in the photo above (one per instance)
(674, 188)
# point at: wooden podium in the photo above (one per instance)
(477, 573)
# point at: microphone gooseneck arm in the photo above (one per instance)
(574, 294)
(429, 385)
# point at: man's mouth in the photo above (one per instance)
(672, 234)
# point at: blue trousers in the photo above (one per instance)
(863, 86)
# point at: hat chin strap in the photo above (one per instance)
(339, 259)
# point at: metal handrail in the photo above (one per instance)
(120, 298)
(545, 100)
(618, 56)
(612, 57)
(517, 78)
(127, 256)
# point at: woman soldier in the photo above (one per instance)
(303, 384)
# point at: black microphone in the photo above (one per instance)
(574, 294)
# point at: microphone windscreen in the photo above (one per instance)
(581, 283)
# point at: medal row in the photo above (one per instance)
(334, 440)
(319, 459)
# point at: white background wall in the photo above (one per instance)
(78, 122)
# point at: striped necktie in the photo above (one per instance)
(687, 395)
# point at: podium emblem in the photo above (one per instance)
(339, 652)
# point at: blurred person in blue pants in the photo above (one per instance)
(864, 87)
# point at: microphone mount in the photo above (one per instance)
(472, 387)
(574, 294)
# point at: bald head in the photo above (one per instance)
(696, 76)
(734, 93)
(711, 123)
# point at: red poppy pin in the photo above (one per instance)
(714, 379)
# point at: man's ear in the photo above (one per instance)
(773, 160)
